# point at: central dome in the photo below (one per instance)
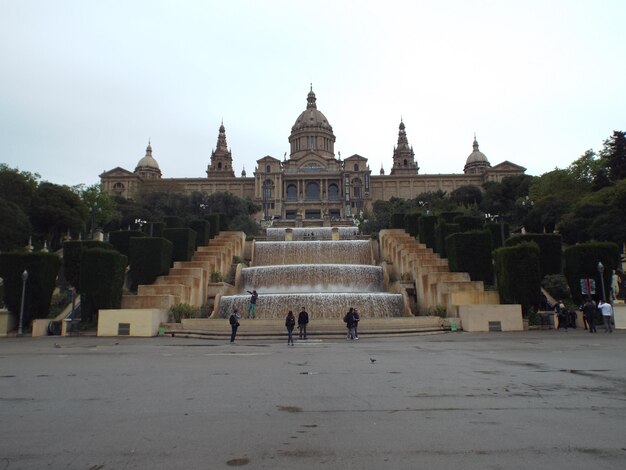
(311, 116)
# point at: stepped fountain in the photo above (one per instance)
(324, 275)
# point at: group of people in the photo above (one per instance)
(568, 317)
(351, 319)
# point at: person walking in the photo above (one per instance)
(589, 310)
(290, 323)
(234, 324)
(561, 315)
(252, 304)
(303, 321)
(607, 315)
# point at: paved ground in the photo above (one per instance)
(542, 399)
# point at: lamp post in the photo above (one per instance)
(21, 323)
(601, 271)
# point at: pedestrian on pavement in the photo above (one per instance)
(303, 321)
(349, 320)
(252, 303)
(561, 315)
(234, 324)
(290, 323)
(356, 323)
(607, 315)
(589, 310)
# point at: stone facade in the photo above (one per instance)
(313, 183)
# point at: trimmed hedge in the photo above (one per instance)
(470, 252)
(449, 216)
(150, 257)
(496, 233)
(518, 274)
(173, 221)
(411, 223)
(184, 241)
(223, 221)
(467, 223)
(155, 229)
(121, 240)
(581, 261)
(102, 279)
(72, 254)
(397, 220)
(214, 224)
(426, 224)
(203, 231)
(442, 230)
(43, 269)
(550, 247)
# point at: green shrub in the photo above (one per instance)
(397, 220)
(519, 275)
(72, 255)
(581, 262)
(468, 223)
(470, 252)
(121, 240)
(449, 216)
(183, 241)
(550, 248)
(217, 276)
(203, 231)
(498, 232)
(556, 285)
(150, 257)
(442, 230)
(180, 311)
(426, 224)
(411, 223)
(173, 221)
(214, 224)
(43, 269)
(155, 229)
(223, 221)
(102, 276)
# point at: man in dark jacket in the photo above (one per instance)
(303, 321)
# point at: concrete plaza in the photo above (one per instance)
(539, 399)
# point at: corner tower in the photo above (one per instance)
(312, 133)
(221, 158)
(403, 156)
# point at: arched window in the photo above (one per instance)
(268, 185)
(118, 186)
(333, 192)
(292, 192)
(268, 169)
(219, 165)
(356, 187)
(312, 191)
(406, 163)
(356, 167)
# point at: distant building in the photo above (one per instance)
(312, 183)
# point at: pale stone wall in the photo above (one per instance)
(619, 312)
(8, 322)
(143, 322)
(476, 318)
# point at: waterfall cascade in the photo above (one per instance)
(324, 276)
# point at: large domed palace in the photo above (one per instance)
(313, 183)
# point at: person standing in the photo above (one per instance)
(234, 324)
(589, 309)
(561, 315)
(252, 304)
(356, 323)
(290, 323)
(349, 321)
(303, 321)
(607, 315)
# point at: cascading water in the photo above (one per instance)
(312, 252)
(317, 233)
(326, 277)
(294, 278)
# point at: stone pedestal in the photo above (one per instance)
(619, 311)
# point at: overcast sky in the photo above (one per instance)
(84, 84)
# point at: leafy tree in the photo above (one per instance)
(614, 156)
(17, 186)
(55, 210)
(586, 169)
(13, 235)
(467, 195)
(101, 206)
